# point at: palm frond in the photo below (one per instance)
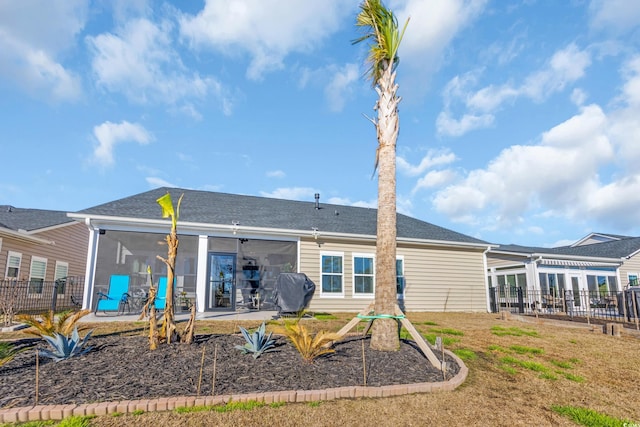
(381, 30)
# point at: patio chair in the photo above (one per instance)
(161, 296)
(117, 298)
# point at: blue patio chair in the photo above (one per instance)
(161, 296)
(117, 298)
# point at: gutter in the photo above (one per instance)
(162, 224)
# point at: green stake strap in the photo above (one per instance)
(380, 316)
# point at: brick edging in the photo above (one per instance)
(58, 412)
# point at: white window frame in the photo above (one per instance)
(35, 259)
(324, 294)
(403, 275)
(356, 294)
(636, 275)
(57, 275)
(17, 255)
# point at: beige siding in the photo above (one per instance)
(70, 246)
(495, 260)
(437, 279)
(631, 265)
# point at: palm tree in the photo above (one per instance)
(381, 30)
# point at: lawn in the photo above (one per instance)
(520, 373)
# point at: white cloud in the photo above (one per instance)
(435, 179)
(108, 135)
(139, 61)
(616, 16)
(340, 86)
(158, 182)
(564, 68)
(446, 125)
(559, 174)
(433, 25)
(266, 30)
(276, 174)
(432, 158)
(345, 201)
(32, 41)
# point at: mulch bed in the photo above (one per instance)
(123, 368)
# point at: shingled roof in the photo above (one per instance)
(222, 208)
(617, 249)
(16, 219)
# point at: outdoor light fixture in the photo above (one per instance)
(235, 226)
(315, 233)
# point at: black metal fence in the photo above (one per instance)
(34, 297)
(622, 306)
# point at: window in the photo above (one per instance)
(363, 279)
(62, 271)
(601, 285)
(37, 274)
(508, 284)
(552, 284)
(633, 279)
(13, 265)
(331, 269)
(400, 277)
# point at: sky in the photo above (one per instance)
(519, 120)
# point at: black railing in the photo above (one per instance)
(622, 306)
(35, 297)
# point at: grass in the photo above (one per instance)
(324, 316)
(228, 407)
(589, 417)
(446, 331)
(513, 331)
(513, 392)
(521, 349)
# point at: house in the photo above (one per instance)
(233, 247)
(597, 265)
(38, 247)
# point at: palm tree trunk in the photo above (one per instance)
(385, 331)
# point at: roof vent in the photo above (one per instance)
(317, 196)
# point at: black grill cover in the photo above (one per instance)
(293, 292)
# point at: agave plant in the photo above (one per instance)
(49, 324)
(64, 347)
(258, 342)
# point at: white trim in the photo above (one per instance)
(23, 235)
(202, 271)
(6, 271)
(364, 295)
(332, 294)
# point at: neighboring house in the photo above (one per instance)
(598, 264)
(233, 247)
(38, 246)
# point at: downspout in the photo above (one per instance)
(92, 254)
(486, 279)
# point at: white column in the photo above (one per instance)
(92, 254)
(201, 279)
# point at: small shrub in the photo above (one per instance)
(309, 346)
(48, 324)
(65, 348)
(589, 417)
(257, 343)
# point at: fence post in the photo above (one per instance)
(54, 297)
(520, 300)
